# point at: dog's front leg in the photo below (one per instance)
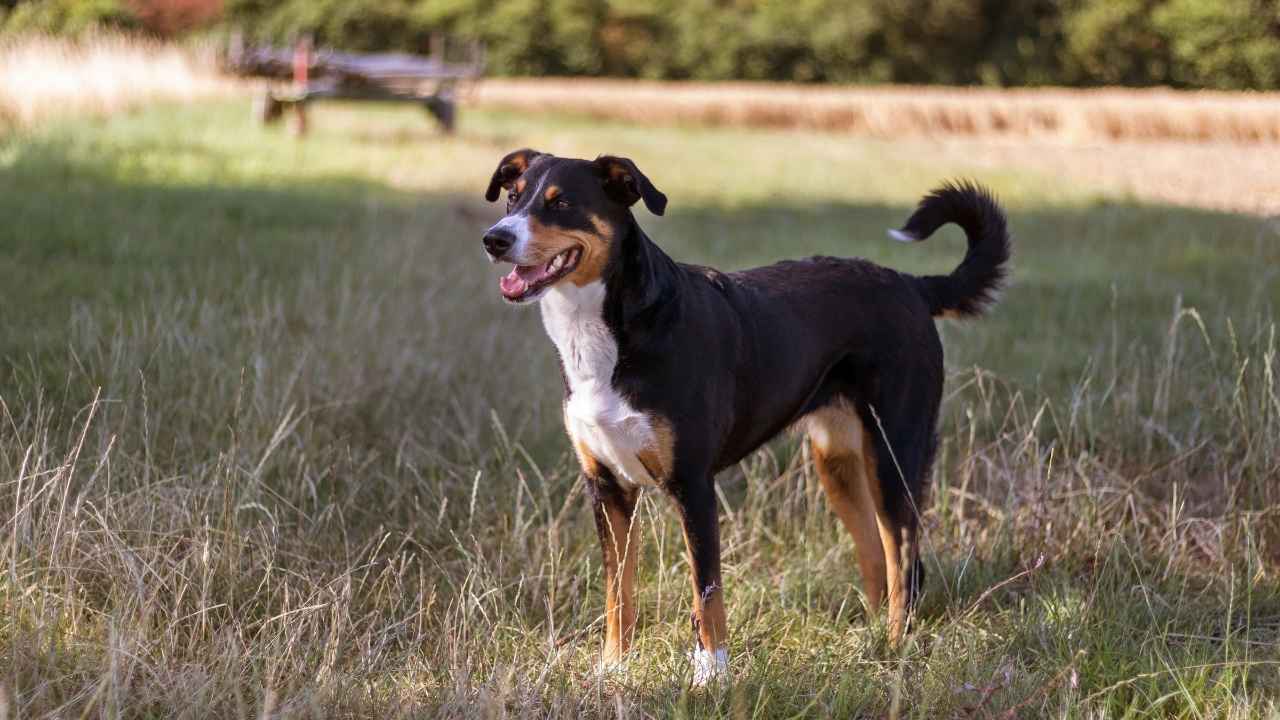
(614, 509)
(697, 503)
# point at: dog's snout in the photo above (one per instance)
(498, 241)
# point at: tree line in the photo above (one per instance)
(1226, 44)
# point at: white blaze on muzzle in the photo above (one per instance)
(534, 272)
(517, 225)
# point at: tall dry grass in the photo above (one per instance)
(1202, 149)
(43, 77)
(1073, 115)
(193, 542)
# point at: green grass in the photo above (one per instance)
(271, 445)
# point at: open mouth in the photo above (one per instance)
(526, 281)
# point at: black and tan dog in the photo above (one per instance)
(673, 372)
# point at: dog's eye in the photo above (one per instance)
(512, 196)
(560, 204)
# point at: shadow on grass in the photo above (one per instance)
(79, 234)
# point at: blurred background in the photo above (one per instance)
(1219, 44)
(272, 446)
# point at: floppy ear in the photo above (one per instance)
(511, 168)
(625, 183)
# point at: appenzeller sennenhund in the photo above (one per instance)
(674, 372)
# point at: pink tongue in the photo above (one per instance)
(512, 285)
(517, 282)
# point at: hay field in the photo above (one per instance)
(1201, 149)
(1108, 114)
(46, 77)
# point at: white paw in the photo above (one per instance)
(709, 667)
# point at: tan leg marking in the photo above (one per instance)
(847, 492)
(590, 466)
(658, 457)
(708, 609)
(621, 541)
(836, 438)
(891, 540)
(621, 549)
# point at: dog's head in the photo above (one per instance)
(563, 216)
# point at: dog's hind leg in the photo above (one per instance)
(836, 439)
(891, 541)
(894, 471)
(911, 559)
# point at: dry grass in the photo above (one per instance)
(1213, 175)
(44, 77)
(1205, 149)
(1075, 115)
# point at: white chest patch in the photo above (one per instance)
(596, 416)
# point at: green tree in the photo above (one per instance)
(1231, 44)
(68, 17)
(347, 24)
(1185, 43)
(1114, 42)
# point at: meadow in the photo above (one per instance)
(101, 73)
(892, 111)
(272, 446)
(1199, 148)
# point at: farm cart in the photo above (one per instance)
(428, 81)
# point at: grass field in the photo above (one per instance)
(271, 445)
(100, 74)
(894, 111)
(1204, 149)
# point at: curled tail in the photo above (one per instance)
(973, 285)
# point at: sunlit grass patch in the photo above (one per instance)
(45, 77)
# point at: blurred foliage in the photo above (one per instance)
(164, 18)
(172, 17)
(67, 16)
(1229, 44)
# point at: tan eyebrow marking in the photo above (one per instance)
(552, 193)
(520, 185)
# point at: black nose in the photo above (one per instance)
(498, 242)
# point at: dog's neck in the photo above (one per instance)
(588, 323)
(574, 318)
(641, 280)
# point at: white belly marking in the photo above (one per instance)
(596, 415)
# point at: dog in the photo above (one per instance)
(673, 372)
